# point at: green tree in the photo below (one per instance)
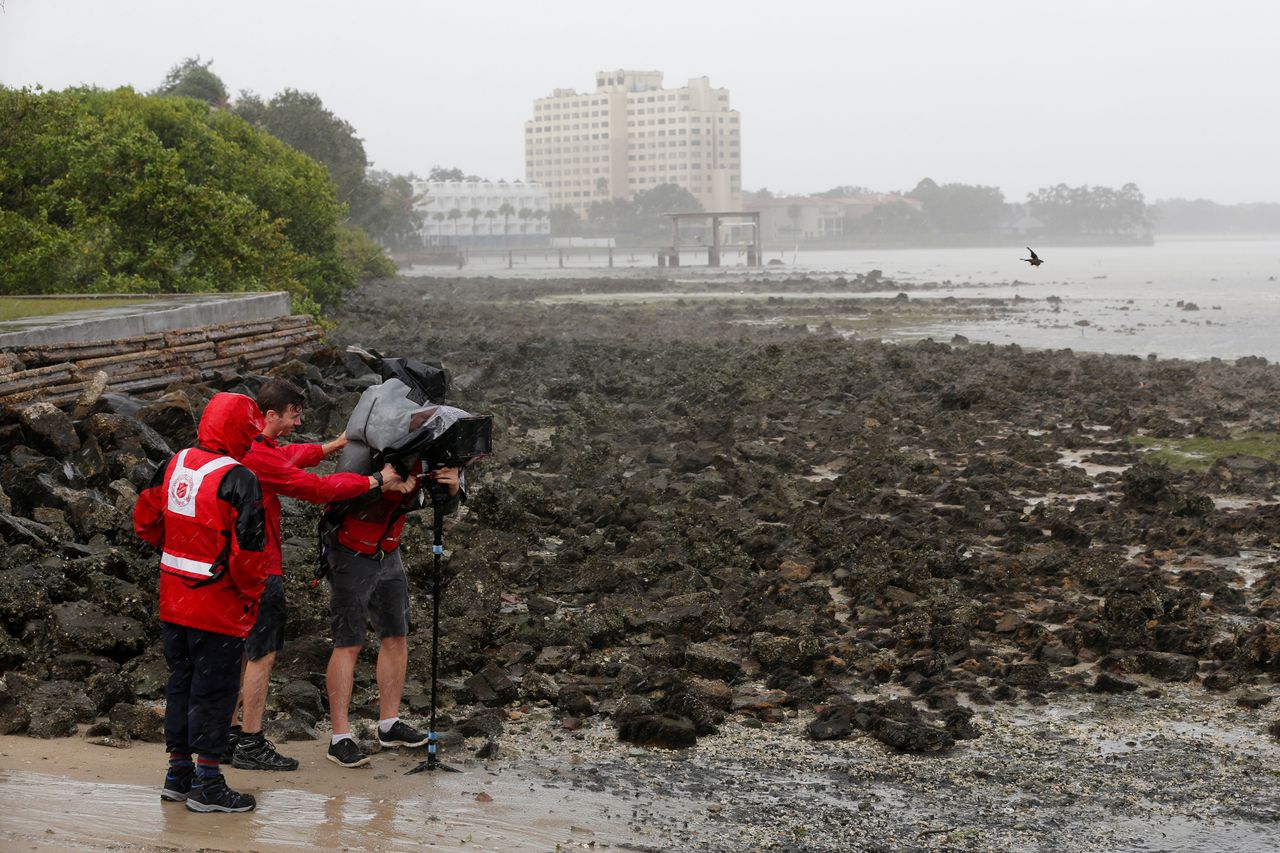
(794, 212)
(397, 218)
(301, 120)
(640, 220)
(440, 173)
(960, 208)
(896, 220)
(523, 215)
(193, 79)
(844, 191)
(439, 217)
(1084, 210)
(116, 192)
(491, 215)
(454, 215)
(565, 221)
(505, 210)
(474, 215)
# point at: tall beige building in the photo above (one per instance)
(631, 134)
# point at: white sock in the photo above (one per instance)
(384, 726)
(333, 741)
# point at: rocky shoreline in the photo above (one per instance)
(700, 527)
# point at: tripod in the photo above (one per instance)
(437, 551)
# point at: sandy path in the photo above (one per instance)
(66, 794)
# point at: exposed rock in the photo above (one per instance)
(492, 686)
(1167, 666)
(712, 660)
(1105, 682)
(896, 723)
(666, 731)
(554, 659)
(50, 429)
(173, 417)
(574, 702)
(82, 625)
(53, 708)
(1254, 699)
(13, 716)
(485, 724)
(137, 722)
(301, 700)
(286, 729)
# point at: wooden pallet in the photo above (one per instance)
(59, 373)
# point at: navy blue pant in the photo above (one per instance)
(204, 678)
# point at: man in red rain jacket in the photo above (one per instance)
(204, 511)
(368, 584)
(279, 469)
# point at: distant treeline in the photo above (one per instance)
(1201, 216)
(956, 213)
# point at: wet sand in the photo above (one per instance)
(66, 794)
(1171, 772)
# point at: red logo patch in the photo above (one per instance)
(181, 492)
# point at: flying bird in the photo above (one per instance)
(1034, 260)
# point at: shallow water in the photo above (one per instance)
(1128, 295)
(1170, 834)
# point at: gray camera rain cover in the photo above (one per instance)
(385, 415)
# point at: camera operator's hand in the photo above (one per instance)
(447, 477)
(332, 447)
(391, 479)
(406, 486)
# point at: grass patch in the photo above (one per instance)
(1197, 454)
(20, 308)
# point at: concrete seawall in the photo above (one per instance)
(159, 314)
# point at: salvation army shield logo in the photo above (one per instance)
(182, 491)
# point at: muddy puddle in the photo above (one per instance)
(1179, 835)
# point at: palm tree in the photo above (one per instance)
(794, 212)
(539, 215)
(523, 215)
(438, 216)
(474, 214)
(506, 211)
(454, 215)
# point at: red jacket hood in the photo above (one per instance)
(229, 424)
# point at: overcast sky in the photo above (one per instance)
(1178, 96)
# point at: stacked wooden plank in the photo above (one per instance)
(58, 373)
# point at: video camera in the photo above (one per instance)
(466, 440)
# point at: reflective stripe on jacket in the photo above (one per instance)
(196, 588)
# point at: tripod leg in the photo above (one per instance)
(437, 551)
(433, 738)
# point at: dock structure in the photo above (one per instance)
(749, 220)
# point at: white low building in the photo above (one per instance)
(483, 214)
